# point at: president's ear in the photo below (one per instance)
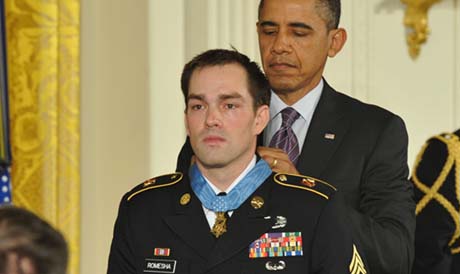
(337, 37)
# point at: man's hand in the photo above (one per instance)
(277, 159)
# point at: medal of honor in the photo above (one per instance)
(220, 226)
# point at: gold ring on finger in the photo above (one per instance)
(275, 161)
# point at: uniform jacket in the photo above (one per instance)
(364, 155)
(437, 237)
(161, 228)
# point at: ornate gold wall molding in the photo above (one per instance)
(416, 20)
(43, 42)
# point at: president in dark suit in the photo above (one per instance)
(360, 148)
(229, 213)
(436, 177)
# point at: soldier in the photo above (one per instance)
(230, 213)
(436, 176)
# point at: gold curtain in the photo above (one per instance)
(43, 47)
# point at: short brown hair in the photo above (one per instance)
(258, 85)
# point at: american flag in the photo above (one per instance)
(5, 186)
(5, 151)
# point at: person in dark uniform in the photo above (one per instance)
(359, 148)
(229, 213)
(436, 177)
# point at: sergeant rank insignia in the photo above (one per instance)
(280, 244)
(356, 264)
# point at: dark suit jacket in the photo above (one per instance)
(151, 216)
(367, 162)
(437, 247)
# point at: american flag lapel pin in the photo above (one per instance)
(330, 136)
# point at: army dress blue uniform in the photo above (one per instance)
(289, 224)
(436, 177)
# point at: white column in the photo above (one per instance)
(361, 38)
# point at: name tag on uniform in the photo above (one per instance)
(160, 266)
(279, 244)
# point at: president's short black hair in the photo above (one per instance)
(329, 10)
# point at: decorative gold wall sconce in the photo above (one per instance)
(416, 22)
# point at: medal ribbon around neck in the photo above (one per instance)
(255, 177)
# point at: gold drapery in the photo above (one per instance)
(43, 42)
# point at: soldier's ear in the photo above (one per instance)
(261, 119)
(186, 123)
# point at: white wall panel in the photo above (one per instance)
(427, 85)
(166, 60)
(115, 118)
(237, 20)
(221, 24)
(251, 44)
(361, 38)
(456, 34)
(197, 27)
(225, 26)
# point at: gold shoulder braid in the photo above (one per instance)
(311, 184)
(453, 161)
(156, 182)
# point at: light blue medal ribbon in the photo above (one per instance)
(236, 196)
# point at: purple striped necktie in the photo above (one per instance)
(285, 138)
